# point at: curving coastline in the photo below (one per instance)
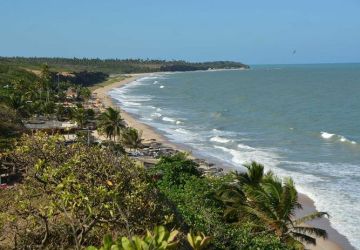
(335, 240)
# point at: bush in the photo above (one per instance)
(176, 169)
(196, 202)
(10, 122)
(73, 195)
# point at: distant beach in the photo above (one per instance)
(148, 133)
(335, 240)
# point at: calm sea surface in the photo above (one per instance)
(301, 121)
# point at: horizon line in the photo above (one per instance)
(169, 60)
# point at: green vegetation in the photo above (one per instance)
(110, 80)
(160, 239)
(82, 116)
(113, 66)
(75, 194)
(71, 196)
(131, 138)
(11, 126)
(195, 197)
(269, 203)
(25, 95)
(111, 124)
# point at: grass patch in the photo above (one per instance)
(110, 80)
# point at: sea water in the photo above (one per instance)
(301, 121)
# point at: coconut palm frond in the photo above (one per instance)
(310, 217)
(304, 238)
(132, 138)
(312, 231)
(253, 176)
(111, 123)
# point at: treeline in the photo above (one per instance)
(110, 66)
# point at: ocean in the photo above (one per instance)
(301, 121)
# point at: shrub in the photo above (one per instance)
(72, 195)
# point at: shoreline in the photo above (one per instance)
(148, 133)
(335, 240)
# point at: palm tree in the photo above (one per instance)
(269, 204)
(84, 93)
(44, 81)
(79, 115)
(111, 123)
(18, 102)
(131, 138)
(253, 176)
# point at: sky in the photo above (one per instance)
(251, 31)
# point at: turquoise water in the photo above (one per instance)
(301, 121)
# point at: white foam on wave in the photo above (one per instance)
(183, 131)
(137, 98)
(146, 119)
(344, 139)
(326, 135)
(218, 132)
(339, 138)
(156, 82)
(162, 86)
(220, 139)
(150, 77)
(240, 157)
(168, 119)
(177, 134)
(127, 103)
(155, 114)
(246, 147)
(179, 122)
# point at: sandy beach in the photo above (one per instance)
(335, 240)
(148, 133)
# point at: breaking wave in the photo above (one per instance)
(220, 139)
(335, 137)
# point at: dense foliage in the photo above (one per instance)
(10, 121)
(111, 124)
(197, 204)
(73, 195)
(131, 138)
(269, 204)
(159, 239)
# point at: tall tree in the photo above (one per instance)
(80, 116)
(131, 138)
(269, 203)
(44, 82)
(110, 123)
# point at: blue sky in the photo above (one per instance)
(254, 32)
